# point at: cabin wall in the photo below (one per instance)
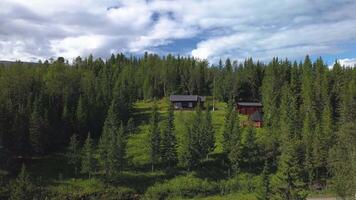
(248, 110)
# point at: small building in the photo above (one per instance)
(248, 108)
(254, 112)
(186, 101)
(257, 119)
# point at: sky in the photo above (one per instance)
(207, 29)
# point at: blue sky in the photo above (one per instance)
(206, 29)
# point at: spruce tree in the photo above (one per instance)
(37, 128)
(81, 118)
(110, 129)
(155, 137)
(235, 154)
(73, 153)
(117, 151)
(342, 161)
(169, 141)
(264, 192)
(208, 134)
(229, 125)
(308, 110)
(88, 160)
(250, 149)
(130, 127)
(22, 188)
(290, 183)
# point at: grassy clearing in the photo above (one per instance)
(54, 172)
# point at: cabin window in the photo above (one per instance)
(190, 104)
(178, 105)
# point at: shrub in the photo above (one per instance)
(182, 186)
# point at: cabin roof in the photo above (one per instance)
(256, 116)
(186, 98)
(258, 104)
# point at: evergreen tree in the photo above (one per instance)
(208, 134)
(73, 153)
(155, 137)
(81, 117)
(229, 125)
(169, 141)
(265, 189)
(250, 149)
(117, 151)
(107, 138)
(88, 160)
(235, 154)
(290, 184)
(308, 110)
(37, 131)
(342, 161)
(22, 188)
(130, 127)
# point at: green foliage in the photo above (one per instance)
(155, 137)
(22, 188)
(88, 160)
(182, 187)
(112, 145)
(200, 139)
(264, 191)
(230, 124)
(73, 153)
(37, 131)
(342, 161)
(90, 188)
(169, 141)
(289, 184)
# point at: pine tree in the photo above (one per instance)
(265, 189)
(208, 134)
(73, 153)
(235, 154)
(342, 161)
(117, 151)
(229, 125)
(22, 188)
(250, 149)
(88, 160)
(37, 128)
(308, 110)
(110, 129)
(195, 149)
(290, 184)
(155, 137)
(81, 117)
(169, 141)
(130, 127)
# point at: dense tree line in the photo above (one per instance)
(309, 116)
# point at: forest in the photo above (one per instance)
(105, 129)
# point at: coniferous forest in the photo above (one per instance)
(105, 129)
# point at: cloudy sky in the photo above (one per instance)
(207, 29)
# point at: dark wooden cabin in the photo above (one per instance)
(186, 101)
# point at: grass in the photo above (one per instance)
(53, 171)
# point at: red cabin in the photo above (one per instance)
(254, 112)
(248, 108)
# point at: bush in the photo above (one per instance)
(245, 183)
(88, 189)
(182, 186)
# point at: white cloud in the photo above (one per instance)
(350, 62)
(236, 28)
